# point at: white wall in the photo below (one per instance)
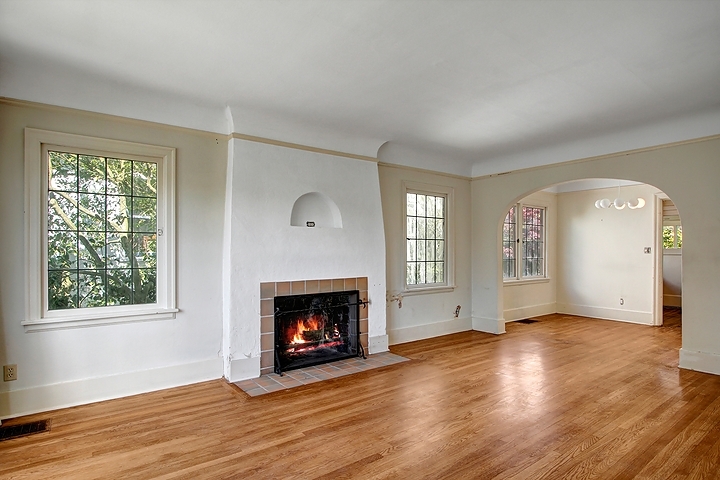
(528, 299)
(430, 314)
(81, 365)
(672, 278)
(688, 173)
(264, 247)
(600, 255)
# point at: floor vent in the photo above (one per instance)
(15, 431)
(527, 320)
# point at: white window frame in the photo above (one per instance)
(38, 317)
(449, 263)
(519, 278)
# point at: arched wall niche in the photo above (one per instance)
(315, 209)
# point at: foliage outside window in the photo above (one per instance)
(99, 231)
(523, 243)
(672, 236)
(102, 231)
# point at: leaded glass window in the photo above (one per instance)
(426, 216)
(101, 231)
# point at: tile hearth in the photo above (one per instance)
(304, 376)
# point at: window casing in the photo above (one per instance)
(428, 242)
(524, 253)
(99, 250)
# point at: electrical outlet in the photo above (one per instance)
(622, 301)
(9, 373)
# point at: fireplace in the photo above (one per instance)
(316, 328)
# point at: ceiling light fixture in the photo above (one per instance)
(619, 203)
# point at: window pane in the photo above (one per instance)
(144, 285)
(62, 211)
(411, 203)
(145, 250)
(91, 285)
(439, 228)
(62, 168)
(411, 227)
(119, 176)
(144, 214)
(421, 201)
(430, 206)
(62, 250)
(92, 250)
(92, 212)
(118, 213)
(421, 228)
(91, 174)
(119, 250)
(440, 251)
(145, 179)
(678, 236)
(440, 207)
(119, 287)
(62, 289)
(668, 236)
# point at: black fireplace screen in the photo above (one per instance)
(316, 328)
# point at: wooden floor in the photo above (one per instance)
(564, 398)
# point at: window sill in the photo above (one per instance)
(80, 321)
(424, 290)
(672, 251)
(527, 281)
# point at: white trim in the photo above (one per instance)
(514, 314)
(244, 368)
(488, 325)
(700, 361)
(672, 300)
(604, 313)
(449, 194)
(27, 401)
(430, 330)
(37, 317)
(512, 282)
(378, 344)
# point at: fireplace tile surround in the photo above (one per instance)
(270, 290)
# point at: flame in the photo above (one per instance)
(305, 325)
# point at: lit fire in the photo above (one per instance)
(306, 325)
(316, 325)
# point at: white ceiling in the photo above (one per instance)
(468, 87)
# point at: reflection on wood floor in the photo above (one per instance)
(565, 397)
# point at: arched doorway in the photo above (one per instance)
(561, 251)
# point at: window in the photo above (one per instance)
(99, 231)
(523, 243)
(428, 247)
(672, 236)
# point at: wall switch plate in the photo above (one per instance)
(648, 249)
(9, 373)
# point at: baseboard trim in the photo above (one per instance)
(429, 330)
(378, 344)
(520, 313)
(672, 300)
(620, 315)
(700, 361)
(488, 325)
(28, 401)
(244, 368)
